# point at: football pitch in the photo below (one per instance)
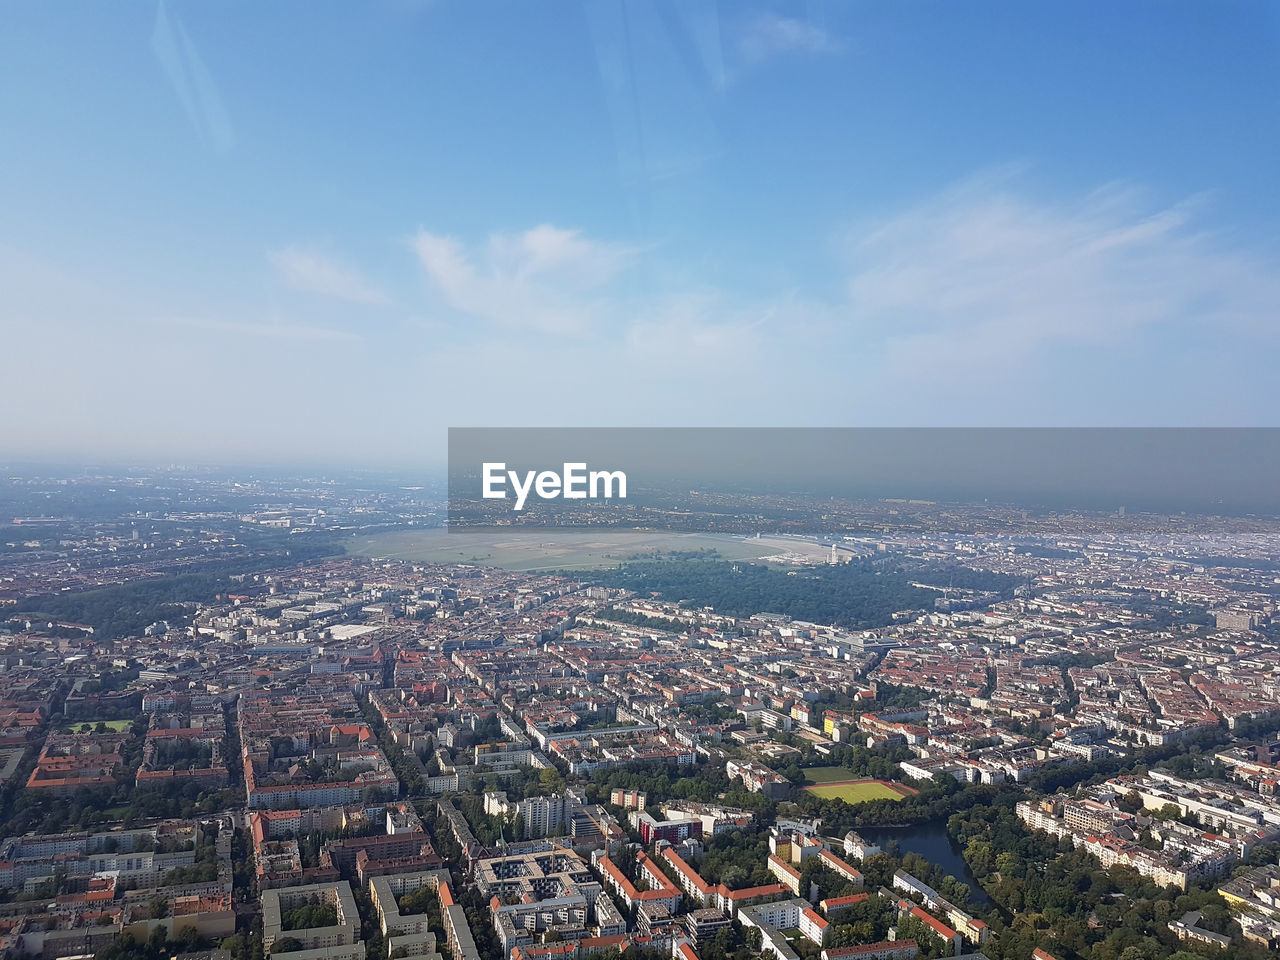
(857, 791)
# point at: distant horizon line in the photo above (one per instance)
(440, 465)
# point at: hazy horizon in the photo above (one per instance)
(1226, 471)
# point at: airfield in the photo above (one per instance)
(557, 550)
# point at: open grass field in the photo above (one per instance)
(554, 550)
(857, 791)
(115, 726)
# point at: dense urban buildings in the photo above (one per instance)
(223, 731)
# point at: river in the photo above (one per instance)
(930, 840)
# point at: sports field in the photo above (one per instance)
(856, 791)
(558, 550)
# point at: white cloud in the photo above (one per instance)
(312, 273)
(986, 271)
(546, 279)
(1048, 298)
(769, 35)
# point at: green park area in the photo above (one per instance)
(88, 726)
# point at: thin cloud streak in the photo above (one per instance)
(191, 81)
(312, 273)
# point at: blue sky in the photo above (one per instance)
(323, 232)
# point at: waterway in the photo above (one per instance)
(930, 840)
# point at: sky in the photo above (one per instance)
(322, 233)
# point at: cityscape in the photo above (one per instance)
(639, 480)
(938, 730)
